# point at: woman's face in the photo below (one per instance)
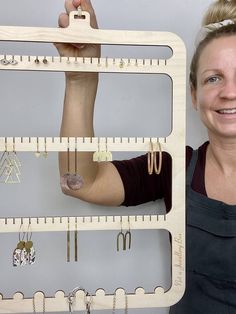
(215, 96)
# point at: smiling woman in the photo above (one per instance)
(215, 94)
(211, 170)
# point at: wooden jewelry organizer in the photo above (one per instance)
(80, 31)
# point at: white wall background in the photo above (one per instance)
(127, 105)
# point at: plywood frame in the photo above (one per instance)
(80, 31)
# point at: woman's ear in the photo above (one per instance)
(194, 96)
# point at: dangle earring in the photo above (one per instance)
(45, 154)
(24, 252)
(19, 258)
(75, 181)
(37, 153)
(68, 238)
(65, 176)
(72, 181)
(125, 237)
(71, 299)
(114, 304)
(29, 247)
(68, 241)
(88, 302)
(10, 166)
(76, 241)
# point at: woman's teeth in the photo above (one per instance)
(227, 111)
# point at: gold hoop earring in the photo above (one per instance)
(150, 159)
(158, 170)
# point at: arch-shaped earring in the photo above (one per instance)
(128, 237)
(121, 236)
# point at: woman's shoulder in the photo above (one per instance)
(201, 152)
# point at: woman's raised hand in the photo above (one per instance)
(77, 50)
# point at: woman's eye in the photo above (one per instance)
(212, 79)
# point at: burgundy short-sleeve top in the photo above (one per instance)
(140, 187)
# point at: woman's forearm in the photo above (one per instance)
(77, 121)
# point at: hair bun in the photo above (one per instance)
(219, 11)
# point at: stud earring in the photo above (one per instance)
(12, 61)
(37, 60)
(4, 61)
(45, 61)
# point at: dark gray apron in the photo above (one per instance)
(211, 254)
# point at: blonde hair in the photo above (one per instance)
(218, 11)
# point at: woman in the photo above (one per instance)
(211, 169)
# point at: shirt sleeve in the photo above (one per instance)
(141, 187)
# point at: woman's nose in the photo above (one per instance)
(229, 89)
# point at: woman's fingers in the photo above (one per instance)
(86, 5)
(69, 6)
(63, 20)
